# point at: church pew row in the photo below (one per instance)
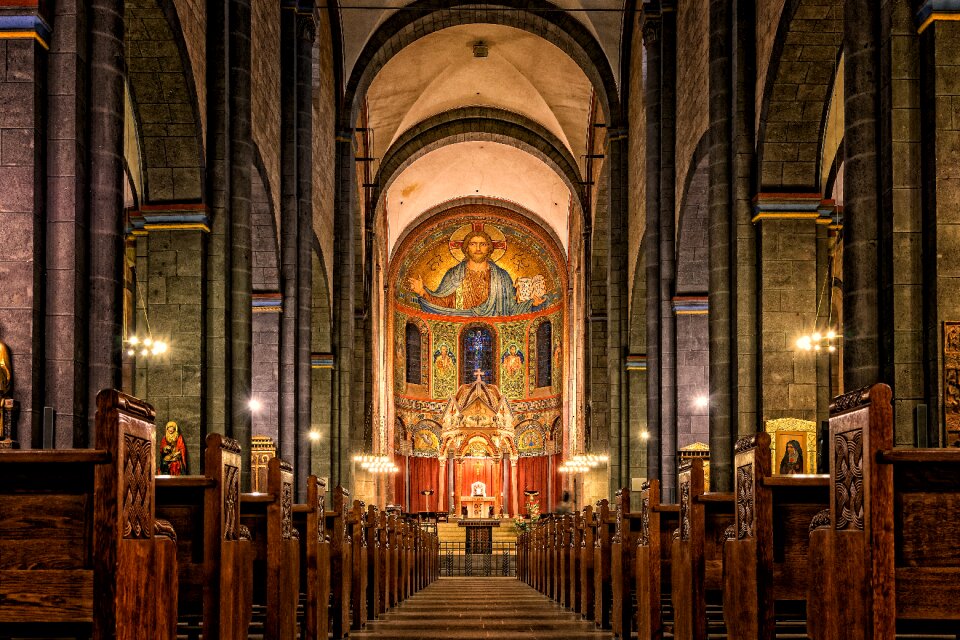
(697, 551)
(653, 567)
(606, 523)
(623, 565)
(888, 559)
(81, 550)
(276, 550)
(765, 563)
(310, 523)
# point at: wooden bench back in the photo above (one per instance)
(653, 558)
(603, 589)
(340, 563)
(77, 529)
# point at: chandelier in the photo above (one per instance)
(817, 341)
(581, 463)
(376, 464)
(147, 345)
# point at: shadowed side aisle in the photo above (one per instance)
(475, 608)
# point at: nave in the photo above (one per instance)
(478, 608)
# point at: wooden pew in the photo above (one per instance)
(623, 565)
(893, 538)
(603, 587)
(587, 582)
(214, 553)
(565, 554)
(383, 600)
(766, 561)
(697, 554)
(269, 517)
(375, 577)
(341, 564)
(79, 546)
(314, 560)
(573, 577)
(653, 559)
(356, 521)
(393, 559)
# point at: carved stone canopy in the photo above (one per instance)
(478, 416)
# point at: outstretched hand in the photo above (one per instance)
(416, 285)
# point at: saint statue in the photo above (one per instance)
(173, 452)
(476, 286)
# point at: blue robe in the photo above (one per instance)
(502, 300)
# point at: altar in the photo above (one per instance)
(479, 506)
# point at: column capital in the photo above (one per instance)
(169, 216)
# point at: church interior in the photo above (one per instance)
(622, 318)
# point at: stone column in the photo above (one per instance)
(457, 483)
(505, 484)
(744, 325)
(289, 221)
(862, 345)
(668, 206)
(515, 498)
(940, 132)
(106, 199)
(651, 241)
(442, 484)
(67, 297)
(241, 281)
(306, 33)
(618, 305)
(721, 414)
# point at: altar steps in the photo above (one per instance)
(480, 608)
(452, 532)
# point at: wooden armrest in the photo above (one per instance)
(920, 456)
(806, 480)
(256, 498)
(193, 482)
(666, 508)
(715, 496)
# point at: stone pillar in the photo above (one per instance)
(788, 296)
(862, 346)
(505, 492)
(343, 305)
(170, 261)
(668, 206)
(306, 33)
(457, 483)
(106, 199)
(515, 498)
(744, 327)
(940, 131)
(22, 210)
(721, 414)
(67, 297)
(651, 241)
(442, 485)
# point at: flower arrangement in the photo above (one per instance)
(521, 525)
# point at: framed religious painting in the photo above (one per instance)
(794, 444)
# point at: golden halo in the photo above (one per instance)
(499, 240)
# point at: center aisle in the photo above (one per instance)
(476, 608)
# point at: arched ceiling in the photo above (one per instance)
(470, 169)
(604, 19)
(522, 73)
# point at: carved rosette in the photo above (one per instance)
(848, 483)
(137, 464)
(820, 521)
(746, 501)
(685, 508)
(231, 498)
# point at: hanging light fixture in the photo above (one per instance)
(826, 338)
(376, 464)
(581, 463)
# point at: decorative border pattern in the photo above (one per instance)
(746, 502)
(848, 482)
(137, 489)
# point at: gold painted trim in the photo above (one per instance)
(24, 35)
(177, 226)
(321, 366)
(785, 215)
(936, 16)
(277, 309)
(693, 312)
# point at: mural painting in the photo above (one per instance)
(173, 452)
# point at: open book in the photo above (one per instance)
(531, 288)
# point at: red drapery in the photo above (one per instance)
(533, 474)
(424, 474)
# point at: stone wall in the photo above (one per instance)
(637, 183)
(768, 19)
(265, 92)
(693, 357)
(693, 64)
(193, 24)
(324, 134)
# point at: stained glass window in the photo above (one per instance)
(414, 343)
(477, 347)
(544, 355)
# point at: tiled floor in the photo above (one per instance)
(476, 608)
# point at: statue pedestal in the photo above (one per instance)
(8, 418)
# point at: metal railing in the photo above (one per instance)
(483, 559)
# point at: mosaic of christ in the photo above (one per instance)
(479, 269)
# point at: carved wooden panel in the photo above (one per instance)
(231, 498)
(137, 492)
(286, 510)
(848, 483)
(685, 507)
(951, 376)
(745, 502)
(645, 520)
